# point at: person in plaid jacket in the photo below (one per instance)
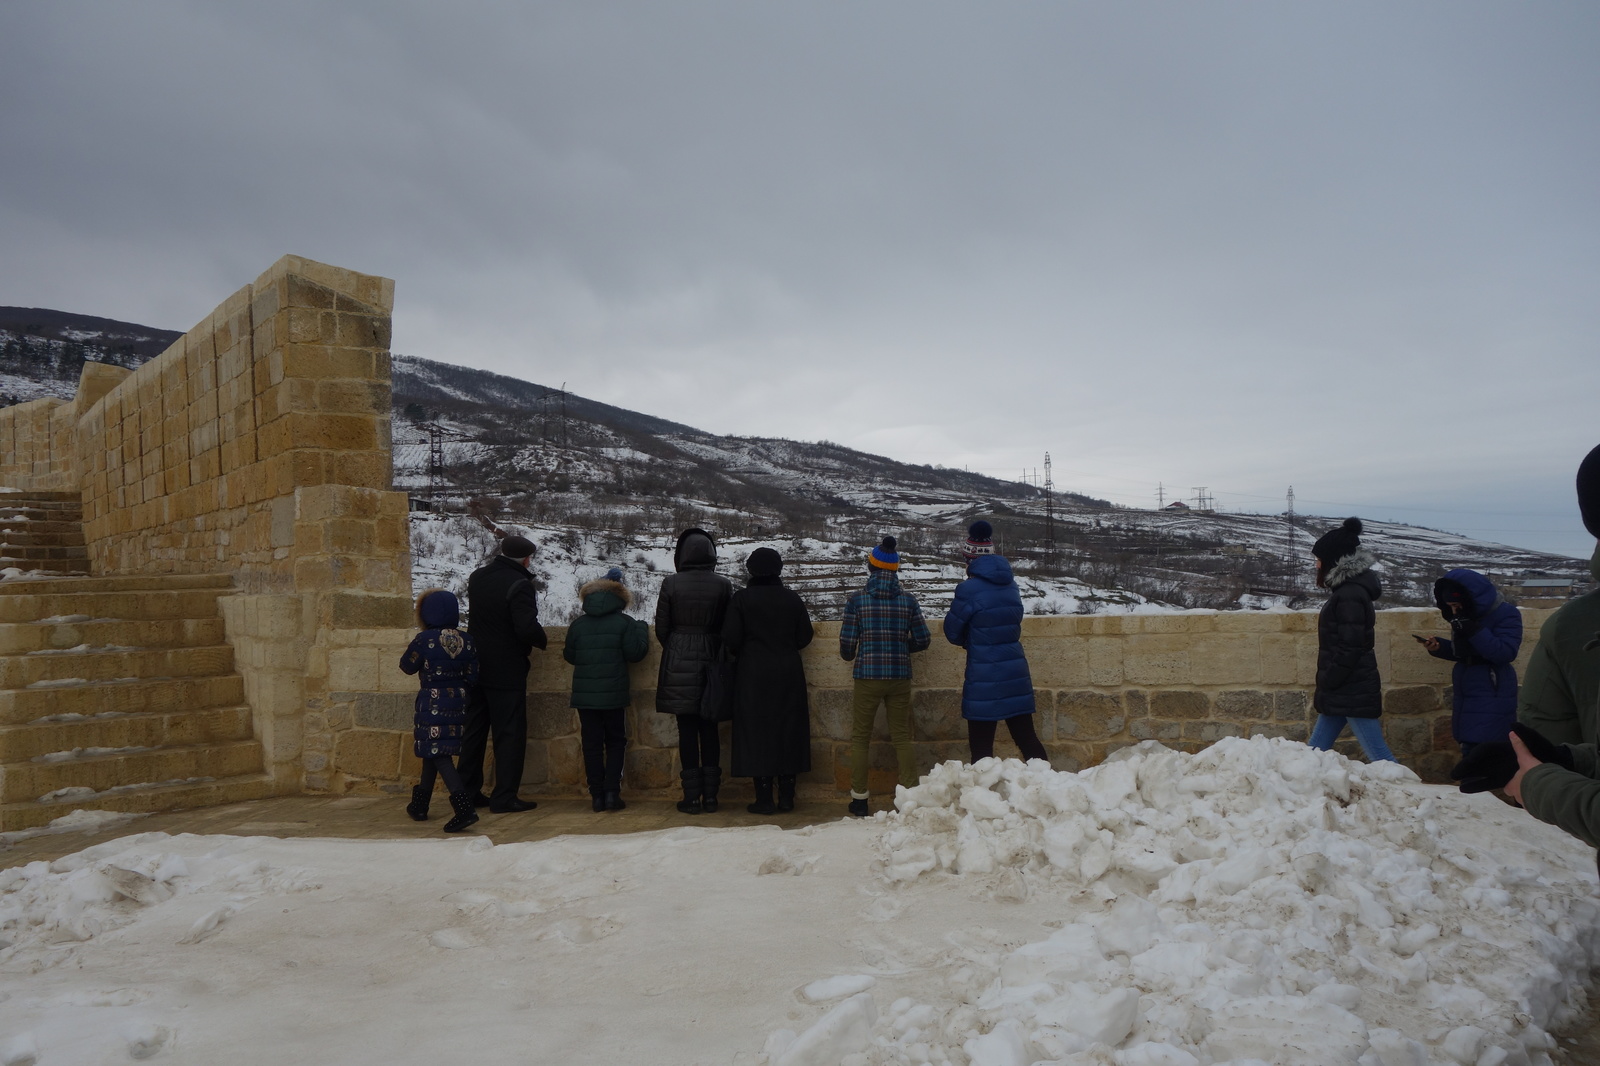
(882, 627)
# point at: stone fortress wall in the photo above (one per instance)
(258, 445)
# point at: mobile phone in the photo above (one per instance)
(1419, 640)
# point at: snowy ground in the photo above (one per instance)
(1259, 902)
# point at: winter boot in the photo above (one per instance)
(418, 807)
(710, 781)
(461, 803)
(763, 803)
(597, 800)
(858, 807)
(690, 804)
(613, 800)
(785, 794)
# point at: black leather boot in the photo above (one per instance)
(461, 803)
(597, 800)
(614, 800)
(418, 807)
(710, 782)
(763, 803)
(690, 804)
(785, 794)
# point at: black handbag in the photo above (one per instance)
(716, 702)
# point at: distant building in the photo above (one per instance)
(1540, 591)
(1177, 505)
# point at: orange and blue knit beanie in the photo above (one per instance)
(884, 556)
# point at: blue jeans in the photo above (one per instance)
(1369, 731)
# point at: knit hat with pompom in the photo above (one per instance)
(1337, 543)
(980, 540)
(884, 556)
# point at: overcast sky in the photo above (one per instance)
(1350, 247)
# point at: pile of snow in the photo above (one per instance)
(1260, 900)
(1257, 903)
(79, 821)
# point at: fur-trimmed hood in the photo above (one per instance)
(1358, 563)
(605, 597)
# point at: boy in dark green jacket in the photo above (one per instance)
(600, 645)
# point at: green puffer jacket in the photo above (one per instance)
(1560, 694)
(1567, 799)
(601, 644)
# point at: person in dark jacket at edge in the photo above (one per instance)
(1557, 782)
(689, 615)
(447, 665)
(766, 627)
(1348, 690)
(600, 645)
(1485, 636)
(882, 628)
(504, 622)
(985, 618)
(1560, 694)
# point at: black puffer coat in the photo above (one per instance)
(767, 626)
(689, 616)
(504, 621)
(1347, 667)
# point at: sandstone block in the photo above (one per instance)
(651, 768)
(1244, 705)
(370, 753)
(1157, 659)
(1291, 706)
(1411, 700)
(935, 715)
(1083, 715)
(551, 716)
(1179, 703)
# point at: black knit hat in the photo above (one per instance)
(1589, 491)
(764, 562)
(1337, 543)
(516, 547)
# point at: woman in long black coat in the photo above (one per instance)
(767, 625)
(689, 614)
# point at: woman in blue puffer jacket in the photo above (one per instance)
(986, 619)
(1485, 635)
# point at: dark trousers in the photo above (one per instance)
(439, 766)
(503, 712)
(699, 743)
(605, 740)
(980, 737)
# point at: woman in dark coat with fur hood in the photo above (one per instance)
(1349, 690)
(767, 625)
(689, 617)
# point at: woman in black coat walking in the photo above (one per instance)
(1349, 690)
(767, 626)
(689, 616)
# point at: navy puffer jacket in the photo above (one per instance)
(1484, 644)
(986, 619)
(447, 661)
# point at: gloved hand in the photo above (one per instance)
(1491, 765)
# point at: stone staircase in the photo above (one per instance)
(42, 531)
(116, 693)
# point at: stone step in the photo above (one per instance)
(76, 553)
(28, 705)
(46, 495)
(28, 781)
(43, 512)
(118, 583)
(12, 524)
(173, 797)
(26, 537)
(40, 569)
(19, 638)
(115, 661)
(208, 725)
(140, 605)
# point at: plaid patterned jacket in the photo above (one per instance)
(882, 627)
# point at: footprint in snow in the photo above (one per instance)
(453, 939)
(146, 1040)
(585, 930)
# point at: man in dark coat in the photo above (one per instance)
(1485, 636)
(504, 616)
(767, 625)
(600, 645)
(1349, 690)
(985, 618)
(689, 614)
(1560, 694)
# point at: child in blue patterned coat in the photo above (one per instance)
(448, 665)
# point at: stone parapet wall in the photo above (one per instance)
(257, 445)
(1101, 683)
